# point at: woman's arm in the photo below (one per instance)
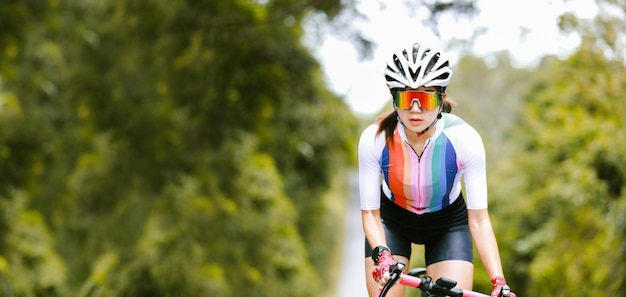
(370, 148)
(373, 227)
(485, 241)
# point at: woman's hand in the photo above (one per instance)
(498, 282)
(383, 260)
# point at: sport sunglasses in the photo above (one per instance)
(425, 100)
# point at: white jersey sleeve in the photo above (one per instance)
(471, 152)
(369, 152)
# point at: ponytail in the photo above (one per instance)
(387, 123)
(447, 105)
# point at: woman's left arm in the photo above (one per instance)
(485, 241)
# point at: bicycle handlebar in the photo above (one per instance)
(442, 286)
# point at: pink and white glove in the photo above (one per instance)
(383, 260)
(497, 283)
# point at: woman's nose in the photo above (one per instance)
(415, 106)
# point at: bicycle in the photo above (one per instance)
(442, 287)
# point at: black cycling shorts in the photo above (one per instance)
(444, 234)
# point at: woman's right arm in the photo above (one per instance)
(373, 228)
(369, 186)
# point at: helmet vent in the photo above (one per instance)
(399, 64)
(415, 74)
(443, 76)
(416, 48)
(432, 63)
(390, 79)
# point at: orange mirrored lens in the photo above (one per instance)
(426, 100)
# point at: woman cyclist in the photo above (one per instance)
(411, 162)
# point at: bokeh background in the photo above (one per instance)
(197, 148)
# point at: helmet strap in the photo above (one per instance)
(419, 134)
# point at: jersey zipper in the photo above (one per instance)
(419, 168)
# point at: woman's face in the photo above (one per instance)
(421, 113)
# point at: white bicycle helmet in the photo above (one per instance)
(416, 66)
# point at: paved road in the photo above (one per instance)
(352, 283)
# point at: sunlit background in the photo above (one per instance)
(527, 29)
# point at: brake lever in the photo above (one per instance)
(505, 291)
(395, 271)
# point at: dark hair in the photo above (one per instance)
(388, 122)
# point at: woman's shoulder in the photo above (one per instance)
(455, 121)
(452, 120)
(372, 136)
(370, 132)
(458, 128)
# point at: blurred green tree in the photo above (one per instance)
(567, 195)
(562, 193)
(167, 148)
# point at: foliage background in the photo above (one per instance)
(192, 148)
(166, 148)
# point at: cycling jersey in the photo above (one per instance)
(428, 182)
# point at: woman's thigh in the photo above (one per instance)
(455, 244)
(451, 256)
(458, 270)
